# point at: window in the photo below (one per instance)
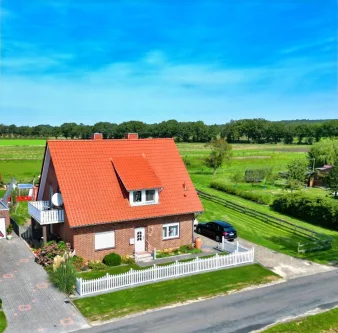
(104, 240)
(144, 197)
(139, 236)
(137, 196)
(150, 195)
(171, 230)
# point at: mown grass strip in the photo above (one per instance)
(325, 322)
(124, 302)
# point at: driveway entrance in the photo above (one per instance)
(30, 303)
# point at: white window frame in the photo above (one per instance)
(168, 225)
(104, 246)
(143, 197)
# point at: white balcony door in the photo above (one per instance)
(140, 240)
(2, 228)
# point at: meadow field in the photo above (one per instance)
(22, 159)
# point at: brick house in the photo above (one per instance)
(4, 219)
(125, 196)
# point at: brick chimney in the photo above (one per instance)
(97, 136)
(131, 136)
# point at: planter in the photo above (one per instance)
(9, 237)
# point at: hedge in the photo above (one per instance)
(260, 197)
(316, 210)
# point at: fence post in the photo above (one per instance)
(131, 271)
(154, 255)
(176, 267)
(197, 268)
(80, 286)
(107, 277)
(223, 240)
(217, 260)
(155, 272)
(237, 247)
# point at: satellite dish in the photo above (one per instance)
(57, 200)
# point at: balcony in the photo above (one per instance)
(41, 212)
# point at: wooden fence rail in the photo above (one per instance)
(157, 273)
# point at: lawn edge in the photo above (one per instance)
(174, 305)
(287, 320)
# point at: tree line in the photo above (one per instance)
(245, 130)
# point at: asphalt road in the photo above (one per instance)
(242, 312)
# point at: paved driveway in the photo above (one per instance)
(286, 266)
(31, 304)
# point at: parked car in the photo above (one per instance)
(216, 230)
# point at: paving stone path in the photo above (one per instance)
(286, 266)
(30, 303)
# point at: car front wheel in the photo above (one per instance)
(218, 239)
(198, 230)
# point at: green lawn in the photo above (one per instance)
(2, 193)
(132, 300)
(20, 212)
(22, 142)
(22, 170)
(326, 322)
(258, 231)
(3, 321)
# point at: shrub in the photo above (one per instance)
(48, 252)
(9, 229)
(77, 262)
(128, 260)
(112, 259)
(259, 197)
(63, 277)
(316, 210)
(96, 265)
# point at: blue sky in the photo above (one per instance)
(117, 60)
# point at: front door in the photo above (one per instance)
(140, 240)
(2, 228)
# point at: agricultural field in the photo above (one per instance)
(20, 159)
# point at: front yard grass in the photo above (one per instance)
(325, 322)
(3, 321)
(132, 300)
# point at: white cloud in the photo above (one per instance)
(154, 89)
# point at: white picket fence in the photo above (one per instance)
(157, 273)
(231, 247)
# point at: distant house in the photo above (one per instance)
(4, 219)
(128, 196)
(317, 178)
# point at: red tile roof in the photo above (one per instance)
(92, 192)
(136, 173)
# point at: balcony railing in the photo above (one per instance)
(44, 214)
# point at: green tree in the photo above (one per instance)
(331, 180)
(297, 170)
(324, 152)
(221, 152)
(237, 177)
